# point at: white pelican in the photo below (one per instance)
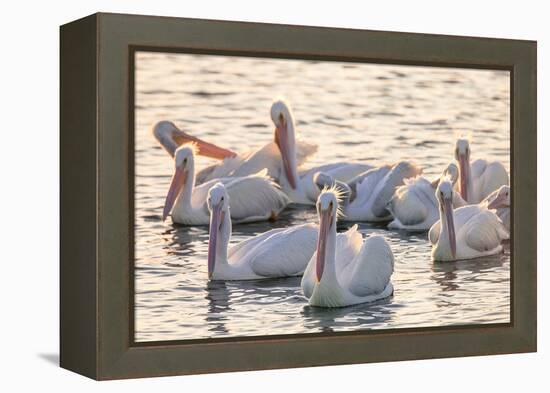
(414, 206)
(282, 252)
(299, 184)
(367, 196)
(478, 179)
(345, 270)
(499, 200)
(468, 232)
(255, 197)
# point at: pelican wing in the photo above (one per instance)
(371, 270)
(347, 171)
(411, 203)
(461, 216)
(219, 170)
(341, 171)
(304, 150)
(286, 252)
(255, 197)
(385, 188)
(240, 250)
(488, 177)
(478, 167)
(484, 231)
(364, 184)
(348, 245)
(267, 157)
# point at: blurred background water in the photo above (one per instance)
(371, 113)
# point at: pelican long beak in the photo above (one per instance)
(464, 173)
(324, 225)
(205, 148)
(216, 217)
(499, 201)
(448, 209)
(178, 181)
(282, 140)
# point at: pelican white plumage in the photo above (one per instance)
(499, 201)
(367, 196)
(414, 206)
(467, 232)
(255, 197)
(282, 252)
(345, 270)
(479, 178)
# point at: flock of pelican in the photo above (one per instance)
(466, 211)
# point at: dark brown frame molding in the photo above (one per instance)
(97, 191)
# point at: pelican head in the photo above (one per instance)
(327, 208)
(184, 166)
(285, 138)
(451, 172)
(499, 198)
(462, 156)
(324, 181)
(218, 205)
(444, 195)
(170, 137)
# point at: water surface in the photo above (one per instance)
(370, 113)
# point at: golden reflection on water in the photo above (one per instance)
(371, 113)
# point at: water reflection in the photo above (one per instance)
(446, 273)
(365, 316)
(218, 305)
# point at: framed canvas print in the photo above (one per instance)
(241, 196)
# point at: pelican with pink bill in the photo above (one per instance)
(479, 178)
(281, 252)
(346, 270)
(468, 232)
(255, 197)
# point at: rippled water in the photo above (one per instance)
(371, 113)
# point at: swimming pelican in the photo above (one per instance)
(478, 179)
(255, 197)
(345, 270)
(367, 196)
(499, 201)
(282, 252)
(297, 183)
(467, 232)
(414, 206)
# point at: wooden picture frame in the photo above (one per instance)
(97, 183)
